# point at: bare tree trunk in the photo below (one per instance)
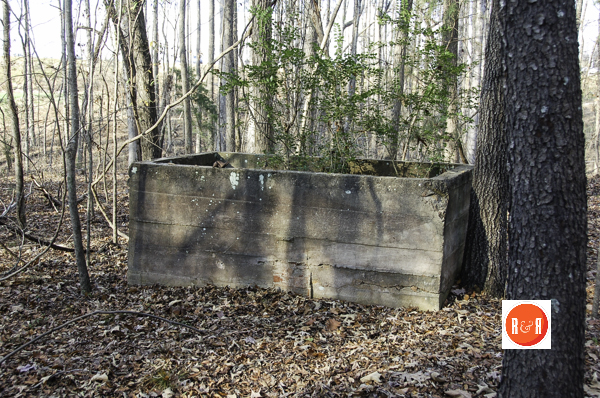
(26, 99)
(29, 58)
(260, 127)
(454, 150)
(228, 67)
(130, 25)
(211, 57)
(88, 116)
(155, 60)
(185, 85)
(354, 43)
(198, 41)
(71, 150)
(485, 259)
(13, 120)
(399, 63)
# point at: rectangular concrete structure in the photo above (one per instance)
(371, 238)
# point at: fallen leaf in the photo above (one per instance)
(375, 376)
(435, 376)
(483, 389)
(25, 368)
(332, 324)
(458, 393)
(255, 394)
(99, 377)
(168, 393)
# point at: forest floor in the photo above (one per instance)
(235, 343)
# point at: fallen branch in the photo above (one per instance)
(19, 260)
(79, 318)
(11, 273)
(37, 239)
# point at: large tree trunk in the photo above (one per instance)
(547, 227)
(485, 251)
(71, 150)
(13, 120)
(130, 25)
(185, 85)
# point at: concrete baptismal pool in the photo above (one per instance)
(387, 233)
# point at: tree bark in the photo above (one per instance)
(546, 168)
(228, 67)
(400, 63)
(185, 84)
(486, 245)
(13, 120)
(198, 41)
(211, 57)
(260, 126)
(450, 40)
(155, 47)
(71, 150)
(130, 24)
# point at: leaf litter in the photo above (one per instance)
(250, 342)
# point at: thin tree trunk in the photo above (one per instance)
(185, 85)
(29, 59)
(155, 60)
(71, 151)
(450, 40)
(260, 126)
(228, 67)
(89, 110)
(211, 57)
(13, 120)
(400, 63)
(26, 98)
(198, 41)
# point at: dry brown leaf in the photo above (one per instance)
(458, 393)
(332, 324)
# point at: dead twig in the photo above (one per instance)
(79, 318)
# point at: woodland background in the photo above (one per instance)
(144, 79)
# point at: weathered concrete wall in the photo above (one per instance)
(369, 239)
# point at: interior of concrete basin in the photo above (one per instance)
(382, 168)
